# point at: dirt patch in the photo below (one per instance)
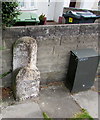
(51, 84)
(5, 93)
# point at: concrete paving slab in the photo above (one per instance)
(57, 102)
(26, 110)
(0, 117)
(89, 101)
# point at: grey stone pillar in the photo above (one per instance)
(24, 61)
(24, 52)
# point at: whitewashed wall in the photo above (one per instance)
(66, 3)
(89, 4)
(84, 4)
(42, 7)
(58, 10)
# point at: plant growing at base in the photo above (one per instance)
(42, 19)
(82, 115)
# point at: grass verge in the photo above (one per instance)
(83, 115)
(46, 117)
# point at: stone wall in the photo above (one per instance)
(54, 45)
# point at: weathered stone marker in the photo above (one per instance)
(24, 60)
(24, 51)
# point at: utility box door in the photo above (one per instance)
(82, 69)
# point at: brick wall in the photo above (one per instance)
(54, 45)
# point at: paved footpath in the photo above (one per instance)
(57, 102)
(26, 110)
(89, 101)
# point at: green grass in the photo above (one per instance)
(46, 117)
(82, 115)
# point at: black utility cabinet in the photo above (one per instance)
(82, 69)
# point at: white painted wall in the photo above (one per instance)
(95, 5)
(89, 4)
(51, 9)
(58, 10)
(42, 7)
(84, 4)
(66, 3)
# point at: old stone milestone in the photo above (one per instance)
(27, 83)
(24, 61)
(25, 50)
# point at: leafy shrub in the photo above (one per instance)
(10, 11)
